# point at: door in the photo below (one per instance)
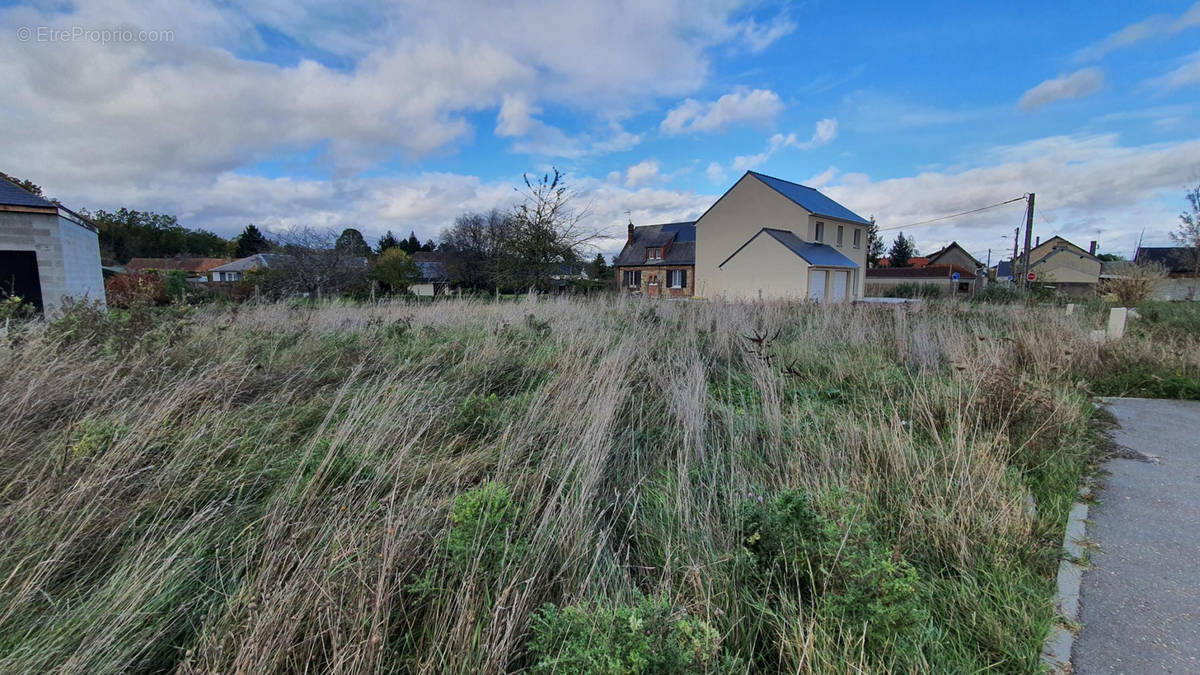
(841, 279)
(816, 285)
(19, 277)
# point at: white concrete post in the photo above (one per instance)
(1116, 322)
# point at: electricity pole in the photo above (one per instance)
(1028, 238)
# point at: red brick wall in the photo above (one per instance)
(659, 274)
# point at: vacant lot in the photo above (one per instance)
(602, 486)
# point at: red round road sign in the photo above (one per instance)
(1032, 276)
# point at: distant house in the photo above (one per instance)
(237, 270)
(658, 260)
(912, 262)
(434, 278)
(948, 279)
(197, 269)
(1182, 282)
(47, 251)
(1067, 268)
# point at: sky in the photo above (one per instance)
(402, 115)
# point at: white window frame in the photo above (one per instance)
(654, 253)
(858, 237)
(819, 232)
(840, 230)
(675, 279)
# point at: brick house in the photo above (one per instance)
(659, 260)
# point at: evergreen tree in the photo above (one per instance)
(387, 241)
(412, 245)
(429, 245)
(875, 246)
(902, 250)
(249, 242)
(351, 241)
(599, 268)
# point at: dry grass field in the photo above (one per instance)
(558, 486)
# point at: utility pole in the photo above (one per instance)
(1012, 269)
(1028, 238)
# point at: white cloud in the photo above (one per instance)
(1076, 85)
(1186, 75)
(1158, 25)
(1088, 187)
(396, 80)
(825, 132)
(759, 37)
(757, 106)
(715, 173)
(642, 173)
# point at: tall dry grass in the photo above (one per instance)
(268, 488)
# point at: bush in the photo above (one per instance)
(483, 533)
(1001, 293)
(127, 290)
(912, 289)
(1135, 284)
(648, 637)
(826, 553)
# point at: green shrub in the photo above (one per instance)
(649, 637)
(827, 553)
(483, 530)
(912, 289)
(1000, 293)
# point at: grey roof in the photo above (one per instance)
(681, 238)
(12, 194)
(432, 270)
(810, 198)
(820, 255)
(248, 263)
(1175, 258)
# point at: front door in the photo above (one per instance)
(816, 285)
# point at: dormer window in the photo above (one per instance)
(654, 253)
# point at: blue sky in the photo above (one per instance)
(402, 115)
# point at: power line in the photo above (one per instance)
(954, 215)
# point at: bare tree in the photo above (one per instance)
(550, 233)
(309, 262)
(1188, 234)
(472, 247)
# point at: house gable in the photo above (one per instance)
(953, 254)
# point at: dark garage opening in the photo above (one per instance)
(19, 276)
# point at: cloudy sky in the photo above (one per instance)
(400, 115)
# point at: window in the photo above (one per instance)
(839, 238)
(676, 278)
(654, 253)
(857, 237)
(631, 278)
(820, 231)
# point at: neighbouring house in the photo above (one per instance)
(658, 260)
(1063, 266)
(764, 238)
(1180, 262)
(434, 278)
(47, 251)
(948, 279)
(197, 269)
(237, 270)
(1003, 272)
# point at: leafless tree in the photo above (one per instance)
(310, 263)
(1188, 234)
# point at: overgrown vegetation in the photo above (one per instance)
(563, 486)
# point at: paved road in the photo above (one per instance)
(1141, 596)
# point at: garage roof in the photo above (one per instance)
(818, 255)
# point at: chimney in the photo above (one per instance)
(1039, 242)
(1092, 248)
(629, 241)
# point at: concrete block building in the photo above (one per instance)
(764, 238)
(47, 251)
